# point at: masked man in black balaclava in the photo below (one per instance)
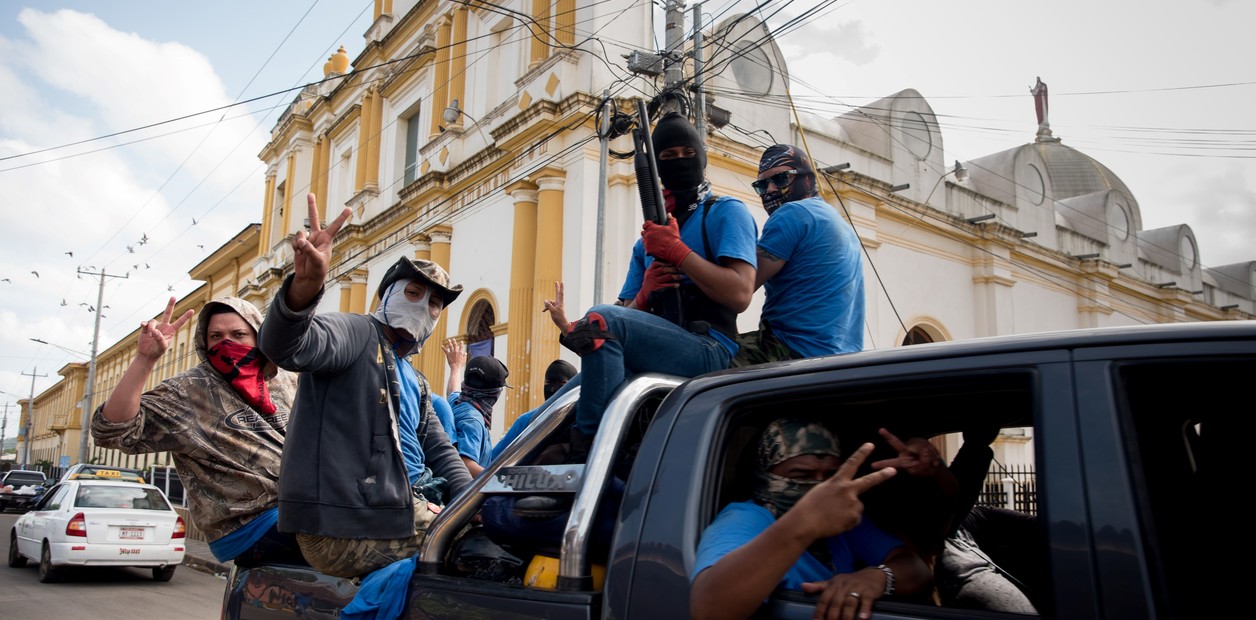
(688, 281)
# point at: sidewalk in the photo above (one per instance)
(199, 557)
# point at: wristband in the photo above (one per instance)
(889, 579)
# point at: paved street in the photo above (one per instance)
(106, 593)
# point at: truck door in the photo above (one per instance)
(707, 431)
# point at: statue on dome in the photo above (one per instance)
(1039, 91)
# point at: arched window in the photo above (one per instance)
(917, 335)
(480, 329)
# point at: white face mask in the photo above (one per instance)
(398, 312)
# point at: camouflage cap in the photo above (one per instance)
(786, 438)
(425, 271)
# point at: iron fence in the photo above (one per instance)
(1010, 486)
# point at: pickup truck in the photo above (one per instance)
(1135, 436)
(21, 488)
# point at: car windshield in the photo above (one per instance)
(138, 498)
(18, 480)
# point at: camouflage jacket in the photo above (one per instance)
(226, 452)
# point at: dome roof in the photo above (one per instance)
(1074, 173)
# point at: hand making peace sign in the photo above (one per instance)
(155, 336)
(311, 255)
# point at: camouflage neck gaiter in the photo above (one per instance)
(782, 440)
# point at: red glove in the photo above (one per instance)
(660, 275)
(664, 242)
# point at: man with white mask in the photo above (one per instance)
(362, 476)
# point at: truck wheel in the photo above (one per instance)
(15, 558)
(163, 573)
(47, 574)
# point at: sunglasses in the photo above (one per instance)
(780, 180)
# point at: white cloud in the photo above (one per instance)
(69, 76)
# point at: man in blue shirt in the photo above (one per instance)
(482, 385)
(803, 530)
(697, 275)
(809, 263)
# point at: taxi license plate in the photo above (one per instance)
(131, 533)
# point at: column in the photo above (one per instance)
(374, 142)
(346, 289)
(322, 181)
(318, 170)
(522, 276)
(364, 138)
(992, 282)
(432, 363)
(540, 27)
(458, 63)
(357, 291)
(549, 269)
(565, 22)
(440, 75)
(290, 191)
(268, 213)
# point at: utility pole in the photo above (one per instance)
(604, 137)
(89, 390)
(699, 98)
(30, 416)
(4, 427)
(674, 41)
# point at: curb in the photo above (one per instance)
(210, 566)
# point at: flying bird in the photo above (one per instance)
(36, 273)
(7, 280)
(170, 288)
(135, 267)
(130, 249)
(200, 246)
(63, 303)
(145, 266)
(70, 254)
(144, 239)
(194, 221)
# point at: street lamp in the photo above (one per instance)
(451, 113)
(961, 175)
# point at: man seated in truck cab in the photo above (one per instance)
(803, 530)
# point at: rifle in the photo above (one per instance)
(646, 166)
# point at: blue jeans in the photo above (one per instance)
(643, 343)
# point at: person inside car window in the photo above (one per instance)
(803, 530)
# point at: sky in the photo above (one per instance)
(1158, 92)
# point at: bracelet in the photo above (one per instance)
(889, 579)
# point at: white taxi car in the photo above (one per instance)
(99, 523)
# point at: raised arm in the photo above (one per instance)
(311, 255)
(154, 339)
(737, 584)
(456, 357)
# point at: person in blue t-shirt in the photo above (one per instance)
(557, 374)
(809, 264)
(482, 385)
(696, 275)
(803, 530)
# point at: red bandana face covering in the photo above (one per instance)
(241, 366)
